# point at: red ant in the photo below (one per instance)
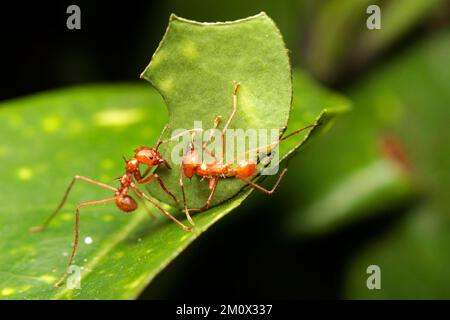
(213, 171)
(143, 156)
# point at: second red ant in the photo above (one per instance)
(217, 169)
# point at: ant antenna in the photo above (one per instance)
(173, 138)
(160, 136)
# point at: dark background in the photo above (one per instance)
(117, 39)
(245, 255)
(39, 52)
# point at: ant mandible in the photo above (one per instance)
(217, 169)
(147, 156)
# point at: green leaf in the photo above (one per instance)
(196, 68)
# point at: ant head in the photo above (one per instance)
(149, 157)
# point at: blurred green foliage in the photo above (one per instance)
(414, 256)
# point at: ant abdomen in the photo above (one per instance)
(244, 170)
(126, 203)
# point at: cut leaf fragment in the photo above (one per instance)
(196, 68)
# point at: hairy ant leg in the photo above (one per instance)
(274, 144)
(212, 182)
(153, 176)
(144, 203)
(75, 243)
(185, 208)
(66, 194)
(210, 136)
(233, 113)
(267, 191)
(167, 213)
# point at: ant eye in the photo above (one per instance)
(150, 157)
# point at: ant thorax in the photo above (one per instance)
(213, 169)
(132, 165)
(126, 179)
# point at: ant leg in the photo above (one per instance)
(186, 210)
(75, 243)
(167, 213)
(144, 203)
(162, 135)
(269, 192)
(146, 172)
(211, 134)
(213, 184)
(293, 133)
(74, 179)
(273, 144)
(161, 183)
(235, 92)
(224, 130)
